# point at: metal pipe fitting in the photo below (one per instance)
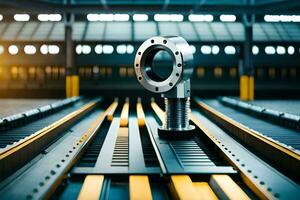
(175, 88)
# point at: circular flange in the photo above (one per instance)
(180, 53)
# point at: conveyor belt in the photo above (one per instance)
(114, 152)
(271, 115)
(237, 124)
(12, 156)
(13, 106)
(288, 106)
(283, 135)
(14, 135)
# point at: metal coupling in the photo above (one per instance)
(175, 88)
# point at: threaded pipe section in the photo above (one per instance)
(176, 113)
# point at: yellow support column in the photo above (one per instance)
(75, 85)
(68, 86)
(251, 88)
(244, 87)
(72, 86)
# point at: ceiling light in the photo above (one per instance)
(140, 17)
(215, 49)
(29, 49)
(205, 49)
(44, 49)
(21, 17)
(129, 49)
(121, 17)
(92, 17)
(270, 50)
(230, 50)
(280, 50)
(53, 49)
(98, 49)
(255, 50)
(228, 18)
(291, 50)
(121, 49)
(108, 49)
(13, 49)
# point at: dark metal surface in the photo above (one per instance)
(50, 168)
(268, 141)
(288, 137)
(60, 170)
(255, 172)
(9, 137)
(15, 156)
(189, 156)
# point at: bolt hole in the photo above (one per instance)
(137, 65)
(269, 189)
(139, 53)
(140, 78)
(255, 177)
(261, 182)
(276, 195)
(165, 41)
(179, 65)
(156, 89)
(177, 74)
(152, 41)
(171, 84)
(176, 53)
(249, 171)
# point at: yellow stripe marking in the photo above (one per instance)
(139, 188)
(182, 187)
(124, 114)
(123, 132)
(91, 188)
(205, 191)
(244, 83)
(226, 188)
(110, 114)
(140, 114)
(159, 112)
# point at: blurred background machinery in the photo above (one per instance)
(44, 44)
